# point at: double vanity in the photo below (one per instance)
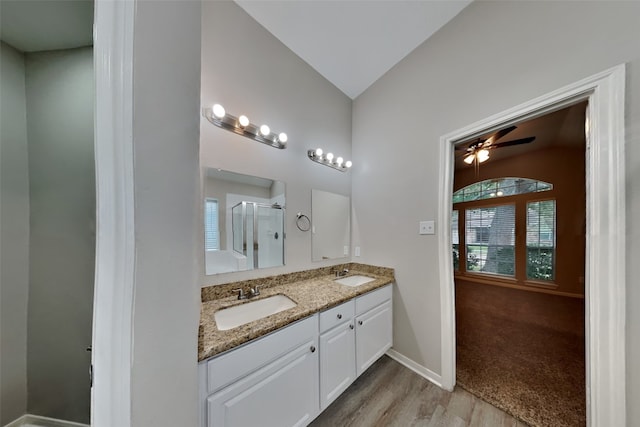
(280, 357)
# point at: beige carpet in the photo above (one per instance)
(522, 352)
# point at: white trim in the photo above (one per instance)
(605, 259)
(426, 373)
(115, 243)
(51, 422)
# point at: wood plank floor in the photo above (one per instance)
(388, 394)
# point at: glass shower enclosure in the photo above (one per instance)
(258, 233)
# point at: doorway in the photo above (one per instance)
(605, 263)
(518, 232)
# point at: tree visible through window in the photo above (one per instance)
(488, 232)
(541, 233)
(490, 239)
(455, 239)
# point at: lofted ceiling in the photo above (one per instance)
(352, 43)
(561, 128)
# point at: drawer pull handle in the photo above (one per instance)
(313, 349)
(339, 316)
(360, 322)
(350, 326)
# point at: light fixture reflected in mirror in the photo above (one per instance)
(328, 160)
(242, 126)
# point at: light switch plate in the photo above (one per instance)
(357, 251)
(427, 227)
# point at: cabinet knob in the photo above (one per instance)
(339, 316)
(350, 326)
(360, 322)
(313, 349)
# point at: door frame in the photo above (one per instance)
(112, 347)
(605, 236)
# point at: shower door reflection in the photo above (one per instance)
(258, 233)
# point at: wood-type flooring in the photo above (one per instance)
(389, 395)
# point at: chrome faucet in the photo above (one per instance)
(241, 294)
(342, 273)
(254, 292)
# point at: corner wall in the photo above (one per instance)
(490, 57)
(60, 99)
(166, 306)
(14, 226)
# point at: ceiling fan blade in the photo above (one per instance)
(501, 133)
(514, 142)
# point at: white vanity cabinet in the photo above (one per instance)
(288, 377)
(273, 381)
(364, 332)
(337, 352)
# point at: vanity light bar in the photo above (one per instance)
(328, 159)
(242, 126)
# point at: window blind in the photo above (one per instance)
(211, 230)
(490, 239)
(541, 238)
(455, 240)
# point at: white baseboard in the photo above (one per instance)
(415, 367)
(36, 420)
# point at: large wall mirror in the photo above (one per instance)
(330, 225)
(243, 222)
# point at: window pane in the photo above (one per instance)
(455, 239)
(211, 232)
(541, 239)
(500, 187)
(490, 240)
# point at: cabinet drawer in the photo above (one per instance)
(239, 362)
(336, 315)
(372, 299)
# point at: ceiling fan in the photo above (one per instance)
(478, 151)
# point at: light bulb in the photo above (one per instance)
(218, 111)
(339, 161)
(483, 155)
(348, 164)
(282, 137)
(264, 130)
(500, 193)
(469, 159)
(243, 121)
(319, 152)
(330, 156)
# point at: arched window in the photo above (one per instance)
(499, 187)
(484, 235)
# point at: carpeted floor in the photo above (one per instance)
(522, 352)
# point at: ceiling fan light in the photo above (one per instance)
(469, 158)
(483, 156)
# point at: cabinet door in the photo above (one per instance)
(374, 336)
(337, 362)
(281, 394)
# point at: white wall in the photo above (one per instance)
(60, 101)
(14, 228)
(248, 71)
(492, 56)
(166, 89)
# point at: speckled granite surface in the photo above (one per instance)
(312, 290)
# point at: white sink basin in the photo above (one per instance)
(355, 280)
(238, 315)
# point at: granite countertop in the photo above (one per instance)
(313, 291)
